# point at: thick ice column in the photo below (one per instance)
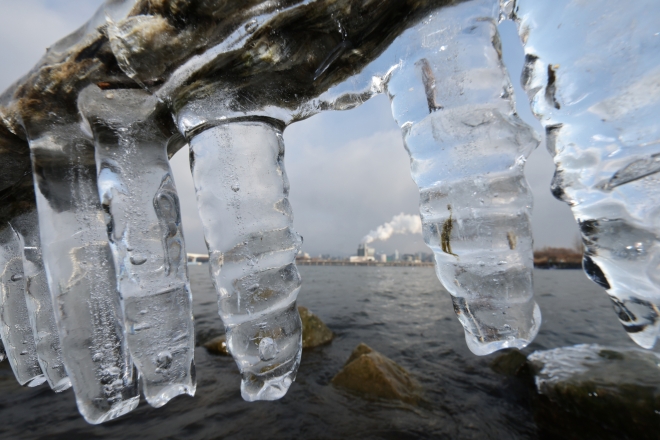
(454, 102)
(242, 194)
(143, 218)
(39, 301)
(15, 328)
(80, 271)
(592, 73)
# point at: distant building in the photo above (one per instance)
(383, 258)
(364, 253)
(396, 255)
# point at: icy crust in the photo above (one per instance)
(454, 103)
(242, 195)
(592, 363)
(599, 101)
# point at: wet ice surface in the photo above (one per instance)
(16, 330)
(454, 102)
(39, 303)
(143, 219)
(402, 312)
(598, 101)
(242, 193)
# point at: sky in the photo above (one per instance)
(349, 171)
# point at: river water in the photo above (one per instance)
(403, 312)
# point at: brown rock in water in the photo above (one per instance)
(217, 345)
(370, 373)
(511, 362)
(314, 331)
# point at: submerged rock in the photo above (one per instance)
(217, 345)
(590, 391)
(371, 374)
(314, 331)
(510, 362)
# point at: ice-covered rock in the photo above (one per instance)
(617, 390)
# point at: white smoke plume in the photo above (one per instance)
(400, 224)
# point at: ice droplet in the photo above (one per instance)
(164, 360)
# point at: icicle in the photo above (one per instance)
(592, 73)
(15, 327)
(454, 103)
(80, 272)
(242, 194)
(39, 302)
(144, 226)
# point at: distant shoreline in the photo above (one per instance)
(544, 264)
(319, 262)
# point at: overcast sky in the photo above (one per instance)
(349, 171)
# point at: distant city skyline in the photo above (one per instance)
(348, 171)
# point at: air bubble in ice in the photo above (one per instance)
(251, 26)
(267, 349)
(137, 260)
(164, 360)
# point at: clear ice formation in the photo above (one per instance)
(95, 290)
(454, 103)
(80, 271)
(599, 102)
(242, 193)
(15, 328)
(39, 304)
(143, 219)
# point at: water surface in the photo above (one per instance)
(403, 312)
